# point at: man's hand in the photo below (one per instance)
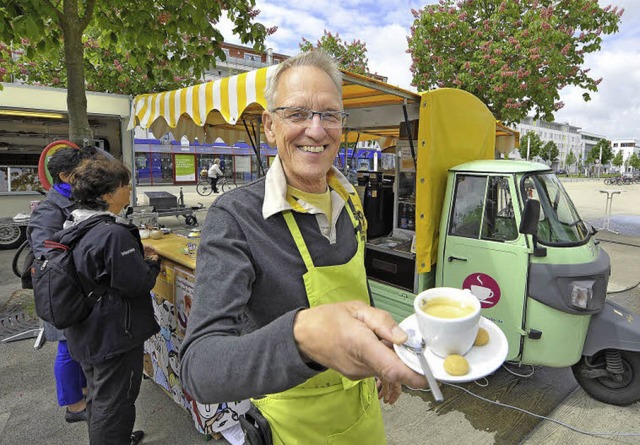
(352, 338)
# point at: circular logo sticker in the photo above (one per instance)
(484, 287)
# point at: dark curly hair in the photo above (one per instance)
(66, 159)
(96, 177)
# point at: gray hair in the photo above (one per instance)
(317, 58)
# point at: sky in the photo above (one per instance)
(613, 112)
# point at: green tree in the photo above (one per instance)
(530, 142)
(570, 159)
(350, 56)
(514, 55)
(116, 46)
(549, 151)
(604, 146)
(617, 159)
(634, 161)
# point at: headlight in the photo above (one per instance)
(581, 294)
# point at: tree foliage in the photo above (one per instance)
(530, 145)
(350, 56)
(570, 159)
(617, 159)
(515, 55)
(549, 151)
(116, 46)
(634, 161)
(594, 154)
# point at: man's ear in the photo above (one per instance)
(267, 123)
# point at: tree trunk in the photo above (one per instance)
(79, 129)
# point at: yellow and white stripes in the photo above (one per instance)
(229, 96)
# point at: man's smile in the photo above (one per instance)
(311, 148)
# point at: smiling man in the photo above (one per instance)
(282, 312)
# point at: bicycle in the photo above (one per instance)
(203, 187)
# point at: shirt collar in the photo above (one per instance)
(275, 189)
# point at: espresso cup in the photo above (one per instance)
(448, 319)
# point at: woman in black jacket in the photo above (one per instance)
(109, 343)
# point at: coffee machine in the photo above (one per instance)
(377, 203)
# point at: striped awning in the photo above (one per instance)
(221, 108)
(205, 111)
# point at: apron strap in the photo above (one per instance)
(297, 237)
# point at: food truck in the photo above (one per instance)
(445, 212)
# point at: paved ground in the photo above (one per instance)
(29, 415)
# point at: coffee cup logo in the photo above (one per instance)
(484, 288)
(481, 293)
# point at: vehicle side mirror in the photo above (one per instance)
(529, 225)
(530, 217)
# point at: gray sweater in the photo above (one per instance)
(249, 287)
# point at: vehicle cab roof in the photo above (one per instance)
(501, 166)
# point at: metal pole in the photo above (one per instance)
(528, 145)
(599, 161)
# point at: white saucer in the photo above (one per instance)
(483, 360)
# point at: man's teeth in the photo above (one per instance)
(316, 149)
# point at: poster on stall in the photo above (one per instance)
(185, 167)
(184, 288)
(243, 164)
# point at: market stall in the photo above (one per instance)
(172, 297)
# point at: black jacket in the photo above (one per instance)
(112, 254)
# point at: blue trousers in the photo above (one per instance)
(69, 376)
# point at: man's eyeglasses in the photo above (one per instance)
(303, 117)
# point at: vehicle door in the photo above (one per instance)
(484, 252)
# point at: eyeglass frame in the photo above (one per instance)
(310, 113)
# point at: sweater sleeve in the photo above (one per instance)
(45, 221)
(130, 274)
(225, 357)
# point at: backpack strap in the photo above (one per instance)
(71, 236)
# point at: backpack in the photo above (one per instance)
(60, 297)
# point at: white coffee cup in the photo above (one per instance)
(450, 323)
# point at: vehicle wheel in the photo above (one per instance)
(615, 389)
(204, 188)
(607, 181)
(191, 220)
(11, 236)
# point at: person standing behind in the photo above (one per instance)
(214, 174)
(282, 311)
(109, 342)
(47, 219)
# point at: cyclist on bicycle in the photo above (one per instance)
(214, 173)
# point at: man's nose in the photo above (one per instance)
(315, 126)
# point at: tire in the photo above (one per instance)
(191, 220)
(607, 181)
(605, 388)
(204, 188)
(19, 258)
(11, 235)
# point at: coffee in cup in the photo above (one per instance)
(448, 319)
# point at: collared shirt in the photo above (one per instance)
(275, 198)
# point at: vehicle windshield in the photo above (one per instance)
(559, 223)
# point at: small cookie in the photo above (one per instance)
(482, 338)
(456, 365)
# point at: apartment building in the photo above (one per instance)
(628, 147)
(566, 137)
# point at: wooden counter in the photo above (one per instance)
(174, 248)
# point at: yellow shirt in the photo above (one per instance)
(321, 201)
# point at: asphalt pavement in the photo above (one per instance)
(29, 414)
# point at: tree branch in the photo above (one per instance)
(88, 14)
(55, 8)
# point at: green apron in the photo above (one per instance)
(328, 408)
